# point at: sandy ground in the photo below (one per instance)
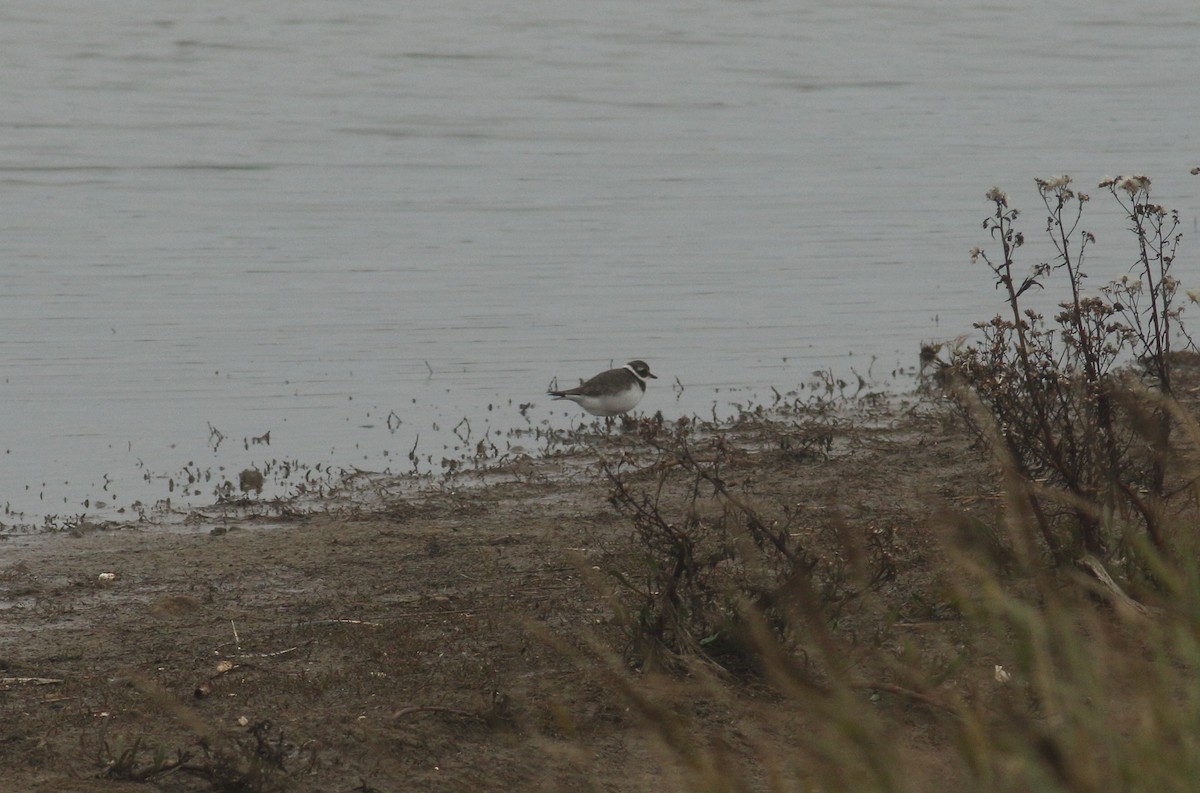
(457, 638)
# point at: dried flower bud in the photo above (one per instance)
(1053, 182)
(1133, 184)
(997, 195)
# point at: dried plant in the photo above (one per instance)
(1066, 405)
(711, 557)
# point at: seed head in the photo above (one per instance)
(1053, 182)
(1133, 184)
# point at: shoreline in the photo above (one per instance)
(291, 480)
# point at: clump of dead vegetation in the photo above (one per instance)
(1064, 653)
(711, 549)
(1081, 403)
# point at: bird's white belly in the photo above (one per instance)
(611, 404)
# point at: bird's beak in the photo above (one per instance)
(652, 374)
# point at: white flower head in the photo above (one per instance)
(1054, 182)
(997, 195)
(1133, 184)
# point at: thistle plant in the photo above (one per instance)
(1080, 426)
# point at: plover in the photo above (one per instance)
(610, 393)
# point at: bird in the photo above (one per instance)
(610, 393)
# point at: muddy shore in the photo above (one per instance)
(461, 636)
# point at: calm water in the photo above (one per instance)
(308, 217)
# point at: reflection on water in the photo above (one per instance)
(310, 219)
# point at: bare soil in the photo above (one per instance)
(463, 637)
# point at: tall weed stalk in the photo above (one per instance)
(1064, 392)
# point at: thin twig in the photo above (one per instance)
(311, 623)
(466, 714)
(275, 654)
(1094, 568)
(915, 696)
